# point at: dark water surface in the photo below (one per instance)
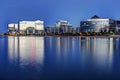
(59, 58)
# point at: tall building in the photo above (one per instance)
(31, 27)
(97, 24)
(63, 26)
(12, 28)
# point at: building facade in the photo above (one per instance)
(97, 24)
(118, 26)
(31, 27)
(12, 28)
(77, 29)
(63, 26)
(49, 29)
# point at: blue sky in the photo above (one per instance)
(12, 11)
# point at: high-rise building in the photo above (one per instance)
(97, 24)
(31, 27)
(63, 26)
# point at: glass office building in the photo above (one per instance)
(97, 24)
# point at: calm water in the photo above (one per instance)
(59, 58)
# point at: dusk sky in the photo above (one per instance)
(12, 11)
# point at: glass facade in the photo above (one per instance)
(97, 25)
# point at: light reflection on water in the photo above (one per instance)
(100, 49)
(58, 57)
(26, 50)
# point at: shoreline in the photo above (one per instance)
(110, 36)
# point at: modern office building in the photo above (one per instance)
(97, 24)
(12, 28)
(31, 27)
(63, 26)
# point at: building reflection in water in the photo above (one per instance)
(81, 51)
(26, 50)
(99, 51)
(77, 52)
(111, 51)
(103, 50)
(13, 46)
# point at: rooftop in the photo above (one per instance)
(95, 17)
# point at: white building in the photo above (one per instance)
(12, 28)
(61, 22)
(63, 26)
(31, 27)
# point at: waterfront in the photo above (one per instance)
(59, 58)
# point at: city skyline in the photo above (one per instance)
(74, 11)
(95, 24)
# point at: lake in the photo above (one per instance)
(59, 58)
